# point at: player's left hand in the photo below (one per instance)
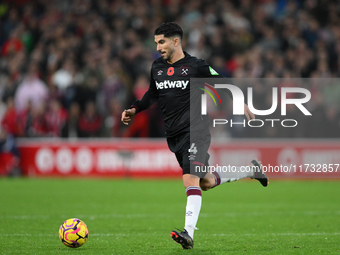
(248, 113)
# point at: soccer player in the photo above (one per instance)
(169, 86)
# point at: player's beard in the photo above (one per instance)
(169, 55)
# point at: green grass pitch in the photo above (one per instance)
(136, 216)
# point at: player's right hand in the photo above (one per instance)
(127, 115)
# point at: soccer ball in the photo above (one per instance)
(73, 233)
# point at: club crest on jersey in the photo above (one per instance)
(185, 70)
(159, 72)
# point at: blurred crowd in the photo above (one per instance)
(69, 68)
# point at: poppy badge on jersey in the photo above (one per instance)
(171, 71)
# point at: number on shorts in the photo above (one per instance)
(193, 148)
